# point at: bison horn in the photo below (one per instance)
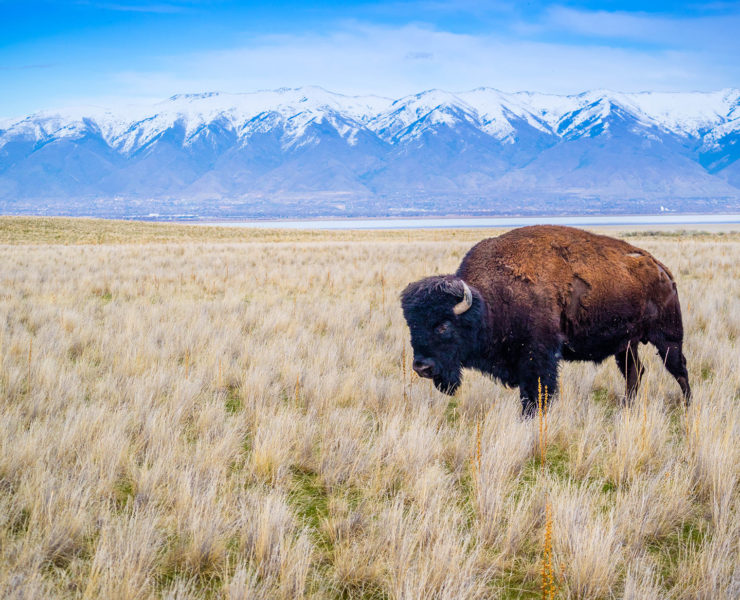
(466, 302)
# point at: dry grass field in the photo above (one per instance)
(202, 413)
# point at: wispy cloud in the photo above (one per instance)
(719, 32)
(392, 61)
(419, 55)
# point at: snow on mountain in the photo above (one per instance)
(498, 111)
(132, 127)
(295, 109)
(409, 117)
(687, 113)
(494, 112)
(473, 145)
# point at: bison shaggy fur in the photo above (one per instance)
(540, 295)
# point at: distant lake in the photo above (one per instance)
(463, 222)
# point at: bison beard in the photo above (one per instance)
(521, 302)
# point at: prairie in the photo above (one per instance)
(213, 413)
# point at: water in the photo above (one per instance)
(464, 222)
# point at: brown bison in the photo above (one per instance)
(521, 302)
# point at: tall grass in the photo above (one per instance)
(216, 419)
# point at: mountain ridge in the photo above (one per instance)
(311, 152)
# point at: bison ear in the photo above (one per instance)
(466, 302)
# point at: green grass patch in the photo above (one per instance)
(605, 398)
(452, 415)
(19, 525)
(123, 492)
(600, 395)
(556, 463)
(310, 501)
(514, 585)
(669, 550)
(608, 487)
(364, 592)
(206, 576)
(233, 401)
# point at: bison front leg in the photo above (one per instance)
(538, 377)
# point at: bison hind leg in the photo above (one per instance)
(631, 368)
(671, 353)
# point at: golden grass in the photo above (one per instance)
(548, 578)
(230, 414)
(62, 230)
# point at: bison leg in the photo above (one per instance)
(671, 353)
(538, 376)
(630, 366)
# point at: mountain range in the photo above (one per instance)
(310, 152)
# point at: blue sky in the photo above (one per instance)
(54, 54)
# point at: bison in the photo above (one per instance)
(522, 302)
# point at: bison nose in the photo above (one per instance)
(424, 367)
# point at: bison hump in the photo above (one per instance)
(578, 270)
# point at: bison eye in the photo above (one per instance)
(443, 328)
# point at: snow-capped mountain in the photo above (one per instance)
(308, 151)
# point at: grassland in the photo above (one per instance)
(194, 412)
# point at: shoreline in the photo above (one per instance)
(394, 223)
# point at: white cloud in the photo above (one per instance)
(698, 32)
(394, 61)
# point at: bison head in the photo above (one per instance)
(442, 314)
